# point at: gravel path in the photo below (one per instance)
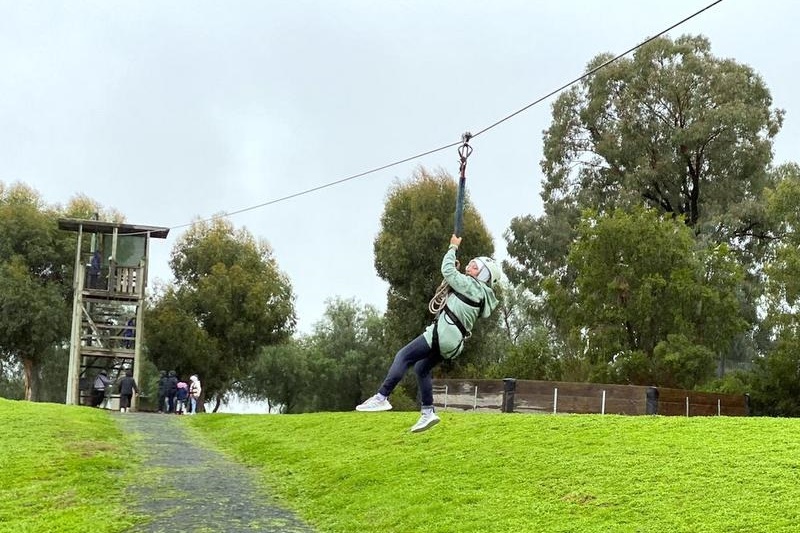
(198, 489)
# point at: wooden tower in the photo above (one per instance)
(109, 287)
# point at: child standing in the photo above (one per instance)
(126, 389)
(180, 397)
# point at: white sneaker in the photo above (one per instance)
(426, 421)
(374, 404)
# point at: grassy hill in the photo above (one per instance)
(62, 469)
(363, 472)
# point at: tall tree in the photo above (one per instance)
(348, 354)
(229, 300)
(649, 308)
(283, 377)
(775, 380)
(35, 282)
(673, 128)
(333, 369)
(415, 231)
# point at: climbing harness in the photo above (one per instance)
(436, 304)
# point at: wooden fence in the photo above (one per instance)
(526, 396)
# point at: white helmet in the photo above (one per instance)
(494, 271)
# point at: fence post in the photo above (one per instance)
(652, 401)
(509, 388)
(747, 404)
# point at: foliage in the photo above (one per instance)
(229, 300)
(84, 207)
(416, 226)
(685, 132)
(735, 382)
(348, 356)
(649, 308)
(53, 374)
(149, 376)
(35, 282)
(776, 378)
(479, 472)
(63, 469)
(531, 357)
(12, 385)
(282, 376)
(675, 129)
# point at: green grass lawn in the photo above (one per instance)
(65, 469)
(363, 472)
(62, 469)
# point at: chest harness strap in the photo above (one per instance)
(454, 319)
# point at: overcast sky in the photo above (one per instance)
(173, 110)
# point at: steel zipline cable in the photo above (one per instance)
(457, 143)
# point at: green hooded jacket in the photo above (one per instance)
(451, 341)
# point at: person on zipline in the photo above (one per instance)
(471, 296)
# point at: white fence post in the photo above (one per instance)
(687, 406)
(603, 406)
(719, 407)
(555, 400)
(475, 399)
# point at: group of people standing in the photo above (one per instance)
(176, 396)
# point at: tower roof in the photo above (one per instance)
(96, 226)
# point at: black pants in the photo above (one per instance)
(125, 401)
(97, 396)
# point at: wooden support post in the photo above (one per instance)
(509, 389)
(652, 401)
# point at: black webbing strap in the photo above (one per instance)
(452, 316)
(435, 340)
(470, 301)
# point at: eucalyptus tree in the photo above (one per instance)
(347, 355)
(775, 380)
(36, 263)
(229, 299)
(283, 377)
(673, 128)
(647, 306)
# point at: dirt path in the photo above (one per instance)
(197, 489)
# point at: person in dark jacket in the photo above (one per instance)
(471, 296)
(126, 389)
(101, 383)
(172, 390)
(163, 387)
(94, 270)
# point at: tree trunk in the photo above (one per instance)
(28, 367)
